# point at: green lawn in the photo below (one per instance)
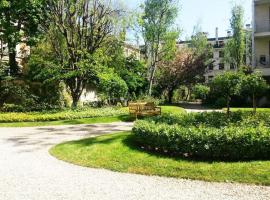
(69, 117)
(248, 109)
(172, 109)
(117, 152)
(67, 122)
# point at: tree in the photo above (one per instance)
(159, 36)
(235, 47)
(227, 85)
(81, 31)
(254, 85)
(134, 74)
(112, 86)
(185, 69)
(19, 22)
(201, 91)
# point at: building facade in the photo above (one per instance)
(218, 66)
(261, 37)
(23, 51)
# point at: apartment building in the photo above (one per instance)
(132, 50)
(218, 66)
(23, 51)
(261, 37)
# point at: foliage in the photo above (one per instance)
(201, 91)
(19, 22)
(254, 85)
(227, 85)
(249, 110)
(207, 136)
(200, 45)
(61, 115)
(15, 93)
(113, 86)
(186, 68)
(24, 96)
(134, 73)
(146, 98)
(85, 32)
(235, 47)
(156, 22)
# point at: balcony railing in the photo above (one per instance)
(263, 26)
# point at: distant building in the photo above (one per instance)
(23, 51)
(261, 37)
(218, 66)
(131, 50)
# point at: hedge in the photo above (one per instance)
(215, 119)
(229, 142)
(61, 115)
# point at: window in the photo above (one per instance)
(221, 66)
(263, 60)
(221, 54)
(211, 66)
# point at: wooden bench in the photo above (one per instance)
(144, 109)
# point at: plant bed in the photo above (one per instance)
(207, 136)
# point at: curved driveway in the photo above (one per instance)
(28, 172)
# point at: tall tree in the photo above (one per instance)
(86, 29)
(186, 68)
(157, 28)
(235, 47)
(19, 22)
(227, 85)
(254, 85)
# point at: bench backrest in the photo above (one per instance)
(140, 107)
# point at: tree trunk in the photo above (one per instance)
(151, 80)
(75, 100)
(14, 68)
(254, 104)
(76, 87)
(170, 96)
(228, 105)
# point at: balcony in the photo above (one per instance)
(262, 28)
(258, 2)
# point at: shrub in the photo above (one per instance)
(207, 135)
(61, 115)
(201, 91)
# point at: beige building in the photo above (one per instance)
(130, 50)
(218, 66)
(23, 51)
(261, 36)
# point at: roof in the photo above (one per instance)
(209, 39)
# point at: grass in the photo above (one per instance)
(67, 122)
(70, 117)
(117, 152)
(247, 109)
(172, 109)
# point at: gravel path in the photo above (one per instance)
(28, 172)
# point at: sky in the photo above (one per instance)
(209, 14)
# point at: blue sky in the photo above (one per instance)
(208, 13)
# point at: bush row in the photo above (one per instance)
(215, 119)
(226, 143)
(61, 115)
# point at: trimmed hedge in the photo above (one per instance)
(184, 135)
(61, 115)
(215, 119)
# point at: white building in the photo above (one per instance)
(218, 66)
(23, 51)
(261, 36)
